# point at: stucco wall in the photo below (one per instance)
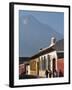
(60, 65)
(33, 66)
(21, 69)
(42, 73)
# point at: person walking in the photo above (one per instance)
(46, 73)
(55, 73)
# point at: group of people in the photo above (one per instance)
(55, 73)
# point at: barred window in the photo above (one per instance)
(44, 63)
(49, 62)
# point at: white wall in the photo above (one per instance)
(4, 43)
(52, 56)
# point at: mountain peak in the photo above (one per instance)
(30, 19)
(34, 35)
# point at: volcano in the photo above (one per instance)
(34, 35)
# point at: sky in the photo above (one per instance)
(53, 19)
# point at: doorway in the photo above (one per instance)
(37, 68)
(28, 69)
(54, 66)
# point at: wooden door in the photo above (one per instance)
(37, 68)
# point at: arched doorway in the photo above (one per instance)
(54, 65)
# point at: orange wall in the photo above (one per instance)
(60, 65)
(21, 69)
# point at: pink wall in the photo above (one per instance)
(21, 69)
(60, 65)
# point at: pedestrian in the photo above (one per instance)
(46, 73)
(55, 73)
(50, 73)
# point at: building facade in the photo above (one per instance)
(48, 62)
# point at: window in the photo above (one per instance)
(43, 63)
(49, 62)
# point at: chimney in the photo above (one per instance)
(40, 49)
(53, 41)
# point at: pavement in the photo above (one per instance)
(27, 76)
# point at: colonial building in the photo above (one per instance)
(48, 62)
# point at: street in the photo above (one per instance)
(23, 76)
